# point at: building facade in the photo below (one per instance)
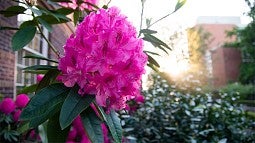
(11, 63)
(222, 63)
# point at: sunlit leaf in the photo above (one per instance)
(153, 61)
(148, 31)
(179, 4)
(156, 42)
(152, 53)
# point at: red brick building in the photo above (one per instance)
(11, 63)
(224, 62)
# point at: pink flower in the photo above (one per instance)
(39, 77)
(7, 106)
(73, 4)
(22, 100)
(85, 139)
(105, 58)
(139, 99)
(105, 133)
(78, 126)
(16, 115)
(72, 135)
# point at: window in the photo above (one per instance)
(37, 46)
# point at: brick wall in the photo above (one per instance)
(225, 61)
(7, 56)
(59, 35)
(233, 59)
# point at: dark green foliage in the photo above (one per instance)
(92, 125)
(245, 91)
(172, 116)
(245, 42)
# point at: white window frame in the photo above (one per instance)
(44, 53)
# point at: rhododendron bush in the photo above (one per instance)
(98, 74)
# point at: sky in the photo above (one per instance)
(184, 18)
(187, 14)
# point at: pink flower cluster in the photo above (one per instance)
(105, 58)
(8, 106)
(73, 4)
(78, 134)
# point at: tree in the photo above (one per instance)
(245, 41)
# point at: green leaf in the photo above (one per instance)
(34, 56)
(13, 10)
(48, 78)
(35, 10)
(28, 89)
(8, 28)
(92, 125)
(48, 114)
(153, 67)
(153, 61)
(36, 71)
(50, 19)
(22, 37)
(76, 16)
(46, 99)
(73, 106)
(45, 24)
(54, 132)
(28, 23)
(148, 31)
(40, 67)
(152, 53)
(52, 13)
(42, 129)
(113, 122)
(23, 127)
(155, 41)
(179, 4)
(64, 10)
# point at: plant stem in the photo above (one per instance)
(159, 19)
(47, 40)
(141, 20)
(108, 2)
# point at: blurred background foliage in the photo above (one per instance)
(173, 115)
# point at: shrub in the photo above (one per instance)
(172, 116)
(245, 91)
(10, 125)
